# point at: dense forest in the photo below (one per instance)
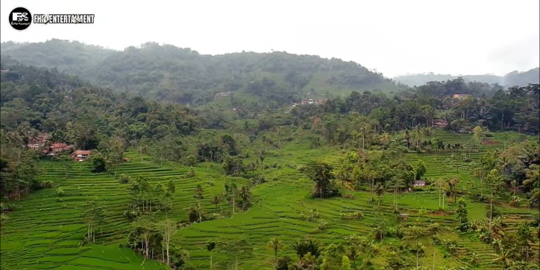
(38, 100)
(183, 75)
(514, 78)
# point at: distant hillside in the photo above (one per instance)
(511, 79)
(185, 76)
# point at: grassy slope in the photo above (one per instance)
(45, 232)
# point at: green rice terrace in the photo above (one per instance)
(48, 227)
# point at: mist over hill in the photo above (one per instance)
(514, 78)
(183, 75)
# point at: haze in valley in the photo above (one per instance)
(391, 36)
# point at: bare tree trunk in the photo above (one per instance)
(433, 259)
(443, 195)
(233, 202)
(395, 199)
(491, 211)
(168, 255)
(417, 267)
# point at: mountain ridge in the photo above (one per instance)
(187, 77)
(514, 78)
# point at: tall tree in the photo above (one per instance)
(321, 174)
(397, 184)
(494, 182)
(379, 190)
(276, 245)
(168, 230)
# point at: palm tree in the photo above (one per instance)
(245, 194)
(441, 184)
(479, 172)
(428, 131)
(416, 233)
(385, 139)
(276, 245)
(364, 130)
(230, 193)
(210, 246)
(217, 199)
(453, 188)
(397, 184)
(514, 186)
(505, 257)
(379, 191)
(371, 174)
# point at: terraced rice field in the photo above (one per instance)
(45, 232)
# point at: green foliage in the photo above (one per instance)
(321, 174)
(462, 216)
(333, 257)
(303, 247)
(420, 170)
(184, 76)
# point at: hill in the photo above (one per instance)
(183, 75)
(514, 78)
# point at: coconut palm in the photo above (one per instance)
(505, 256)
(397, 183)
(379, 191)
(217, 199)
(276, 245)
(245, 194)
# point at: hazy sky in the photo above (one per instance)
(393, 36)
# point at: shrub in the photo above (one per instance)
(312, 216)
(124, 179)
(3, 218)
(191, 161)
(7, 207)
(515, 201)
(321, 226)
(60, 192)
(46, 184)
(354, 215)
(258, 180)
(131, 214)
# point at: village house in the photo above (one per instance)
(38, 142)
(440, 123)
(81, 155)
(419, 183)
(313, 101)
(223, 94)
(60, 147)
(461, 96)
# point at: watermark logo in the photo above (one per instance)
(64, 18)
(20, 18)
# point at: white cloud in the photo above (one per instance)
(393, 36)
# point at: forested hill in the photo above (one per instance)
(183, 75)
(514, 78)
(34, 99)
